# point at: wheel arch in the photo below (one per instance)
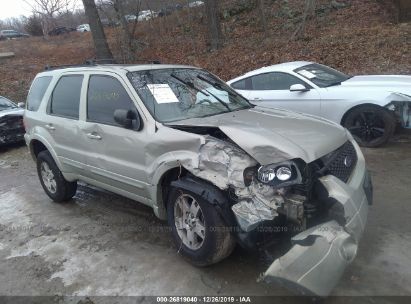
(39, 144)
(162, 187)
(347, 112)
(209, 193)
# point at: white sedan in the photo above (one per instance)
(368, 106)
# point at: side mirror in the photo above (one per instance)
(128, 119)
(21, 105)
(298, 88)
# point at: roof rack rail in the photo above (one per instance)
(100, 61)
(88, 62)
(55, 67)
(155, 61)
(91, 62)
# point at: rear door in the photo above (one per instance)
(63, 124)
(115, 155)
(273, 90)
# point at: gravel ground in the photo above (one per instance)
(101, 244)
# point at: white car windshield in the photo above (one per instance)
(5, 104)
(322, 75)
(178, 94)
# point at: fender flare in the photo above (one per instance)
(49, 149)
(208, 193)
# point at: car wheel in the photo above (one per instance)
(52, 180)
(197, 229)
(371, 126)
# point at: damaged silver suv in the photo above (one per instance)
(219, 169)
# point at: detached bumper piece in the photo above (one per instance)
(319, 255)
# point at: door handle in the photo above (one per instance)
(50, 127)
(257, 98)
(94, 136)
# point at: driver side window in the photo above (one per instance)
(274, 81)
(105, 95)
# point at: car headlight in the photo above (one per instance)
(281, 174)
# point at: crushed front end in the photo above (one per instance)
(320, 203)
(11, 129)
(327, 204)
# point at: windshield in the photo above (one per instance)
(6, 104)
(322, 75)
(178, 94)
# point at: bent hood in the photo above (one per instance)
(271, 135)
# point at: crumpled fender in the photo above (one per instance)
(209, 193)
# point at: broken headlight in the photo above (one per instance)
(281, 174)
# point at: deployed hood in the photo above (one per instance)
(272, 136)
(391, 81)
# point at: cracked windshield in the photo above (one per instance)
(178, 94)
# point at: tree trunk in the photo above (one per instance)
(263, 20)
(214, 26)
(404, 10)
(309, 12)
(97, 31)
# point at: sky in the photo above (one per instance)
(13, 8)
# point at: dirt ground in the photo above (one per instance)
(101, 244)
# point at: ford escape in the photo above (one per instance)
(219, 169)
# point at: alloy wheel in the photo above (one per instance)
(48, 178)
(189, 221)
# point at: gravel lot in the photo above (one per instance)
(102, 244)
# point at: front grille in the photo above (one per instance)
(340, 162)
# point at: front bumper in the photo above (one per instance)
(319, 255)
(11, 136)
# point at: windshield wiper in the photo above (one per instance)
(216, 84)
(189, 84)
(219, 100)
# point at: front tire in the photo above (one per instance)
(197, 229)
(52, 180)
(371, 126)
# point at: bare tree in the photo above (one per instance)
(97, 31)
(48, 9)
(128, 44)
(309, 12)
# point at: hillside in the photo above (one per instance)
(358, 38)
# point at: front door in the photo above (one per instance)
(115, 155)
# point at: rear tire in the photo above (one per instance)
(210, 247)
(371, 126)
(52, 180)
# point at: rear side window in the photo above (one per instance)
(239, 85)
(37, 91)
(65, 100)
(105, 95)
(274, 81)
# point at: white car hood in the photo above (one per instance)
(389, 81)
(15, 111)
